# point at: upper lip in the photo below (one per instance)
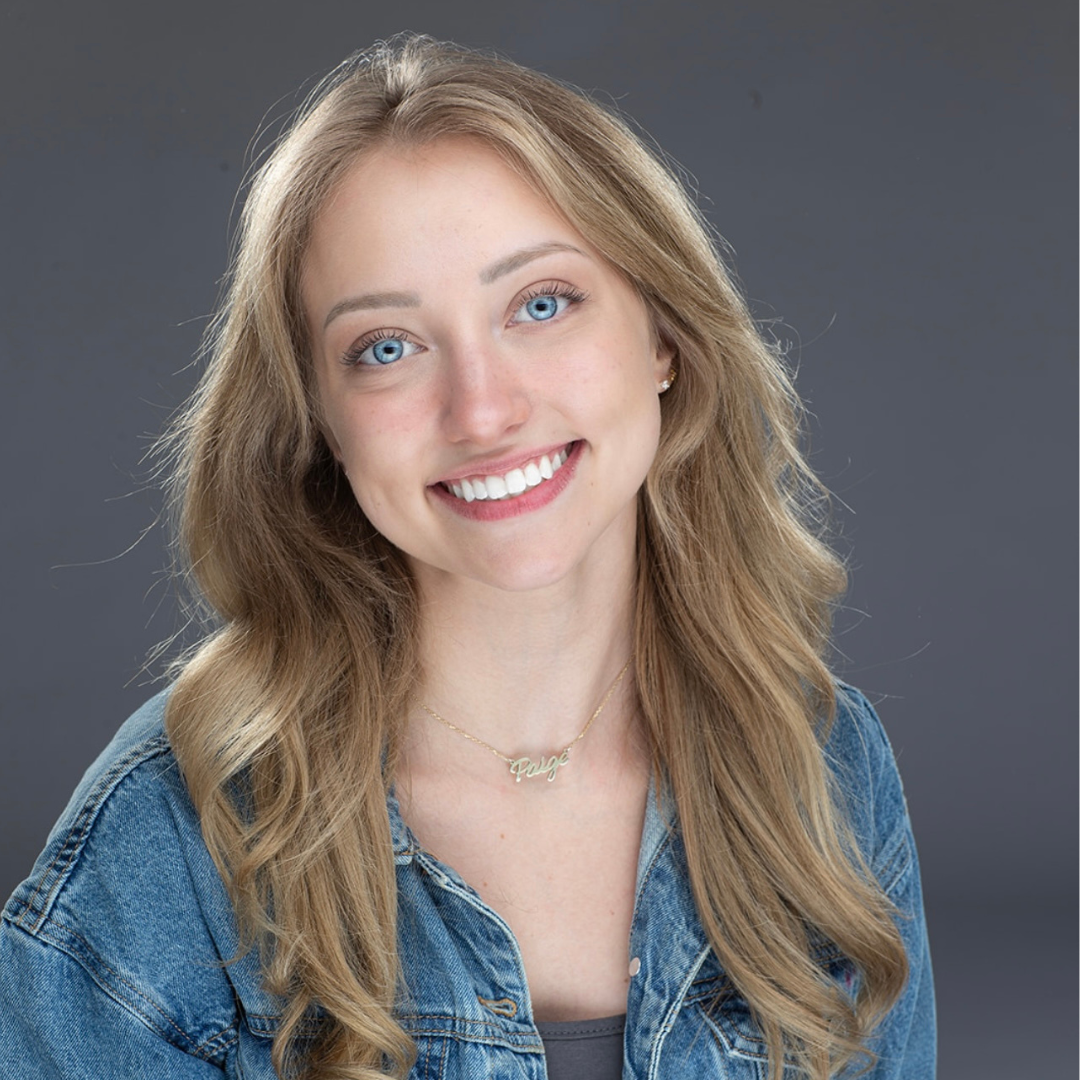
(501, 465)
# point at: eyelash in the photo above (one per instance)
(561, 289)
(351, 358)
(551, 288)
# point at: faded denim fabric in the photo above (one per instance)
(112, 951)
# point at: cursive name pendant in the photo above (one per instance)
(524, 766)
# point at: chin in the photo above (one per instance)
(519, 578)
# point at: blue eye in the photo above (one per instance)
(386, 352)
(544, 307)
(381, 351)
(544, 301)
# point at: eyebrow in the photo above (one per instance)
(517, 259)
(371, 301)
(507, 265)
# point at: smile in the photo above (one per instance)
(512, 484)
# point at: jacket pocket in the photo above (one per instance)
(715, 1003)
(723, 1012)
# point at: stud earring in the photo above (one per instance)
(666, 384)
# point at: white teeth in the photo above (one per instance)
(513, 483)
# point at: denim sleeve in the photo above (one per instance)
(58, 1023)
(906, 1039)
(109, 964)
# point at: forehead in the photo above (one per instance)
(407, 204)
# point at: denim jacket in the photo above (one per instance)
(112, 951)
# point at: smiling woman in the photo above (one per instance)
(490, 338)
(510, 750)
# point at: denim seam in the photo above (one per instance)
(453, 1017)
(655, 859)
(442, 1057)
(98, 961)
(672, 1013)
(308, 1027)
(442, 1033)
(861, 709)
(92, 963)
(76, 837)
(434, 871)
(761, 1055)
(92, 954)
(896, 865)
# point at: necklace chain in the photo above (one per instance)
(524, 766)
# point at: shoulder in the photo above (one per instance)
(129, 819)
(127, 890)
(869, 790)
(856, 747)
(868, 786)
(124, 795)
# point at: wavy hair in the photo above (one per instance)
(286, 718)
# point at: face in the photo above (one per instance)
(489, 383)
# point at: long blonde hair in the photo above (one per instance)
(285, 720)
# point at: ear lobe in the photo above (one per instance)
(664, 363)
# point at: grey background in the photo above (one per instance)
(897, 181)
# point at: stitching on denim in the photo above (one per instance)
(442, 1057)
(308, 1027)
(715, 1036)
(897, 862)
(668, 838)
(761, 1054)
(227, 1038)
(72, 845)
(69, 950)
(451, 1016)
(703, 990)
(92, 955)
(441, 1033)
(861, 711)
(664, 1029)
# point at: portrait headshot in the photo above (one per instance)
(542, 541)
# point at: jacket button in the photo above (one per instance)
(635, 966)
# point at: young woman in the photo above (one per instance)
(512, 751)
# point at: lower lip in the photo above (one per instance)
(528, 501)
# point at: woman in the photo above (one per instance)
(512, 752)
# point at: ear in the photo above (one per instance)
(663, 359)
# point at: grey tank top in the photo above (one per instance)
(584, 1049)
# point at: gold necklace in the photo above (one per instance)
(525, 766)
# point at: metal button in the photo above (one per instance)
(635, 966)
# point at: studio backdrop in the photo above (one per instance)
(895, 184)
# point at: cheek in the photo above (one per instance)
(374, 494)
(376, 459)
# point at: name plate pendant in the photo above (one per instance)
(525, 766)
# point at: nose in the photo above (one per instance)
(485, 397)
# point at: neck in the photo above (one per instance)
(524, 672)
